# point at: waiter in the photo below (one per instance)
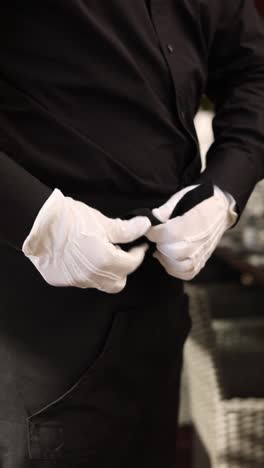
(97, 101)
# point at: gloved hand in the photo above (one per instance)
(184, 243)
(72, 244)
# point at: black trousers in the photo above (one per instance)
(91, 380)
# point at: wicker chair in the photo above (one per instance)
(230, 428)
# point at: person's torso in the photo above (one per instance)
(88, 105)
(87, 101)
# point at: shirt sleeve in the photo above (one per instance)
(235, 160)
(21, 197)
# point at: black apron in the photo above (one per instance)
(90, 379)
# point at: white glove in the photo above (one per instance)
(185, 243)
(71, 244)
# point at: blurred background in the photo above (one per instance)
(222, 394)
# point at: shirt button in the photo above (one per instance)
(170, 48)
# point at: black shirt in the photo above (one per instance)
(98, 99)
(87, 106)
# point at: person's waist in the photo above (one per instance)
(119, 204)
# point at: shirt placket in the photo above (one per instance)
(160, 17)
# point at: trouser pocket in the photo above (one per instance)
(123, 411)
(70, 427)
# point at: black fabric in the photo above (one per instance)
(193, 198)
(99, 98)
(187, 202)
(97, 383)
(88, 104)
(18, 189)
